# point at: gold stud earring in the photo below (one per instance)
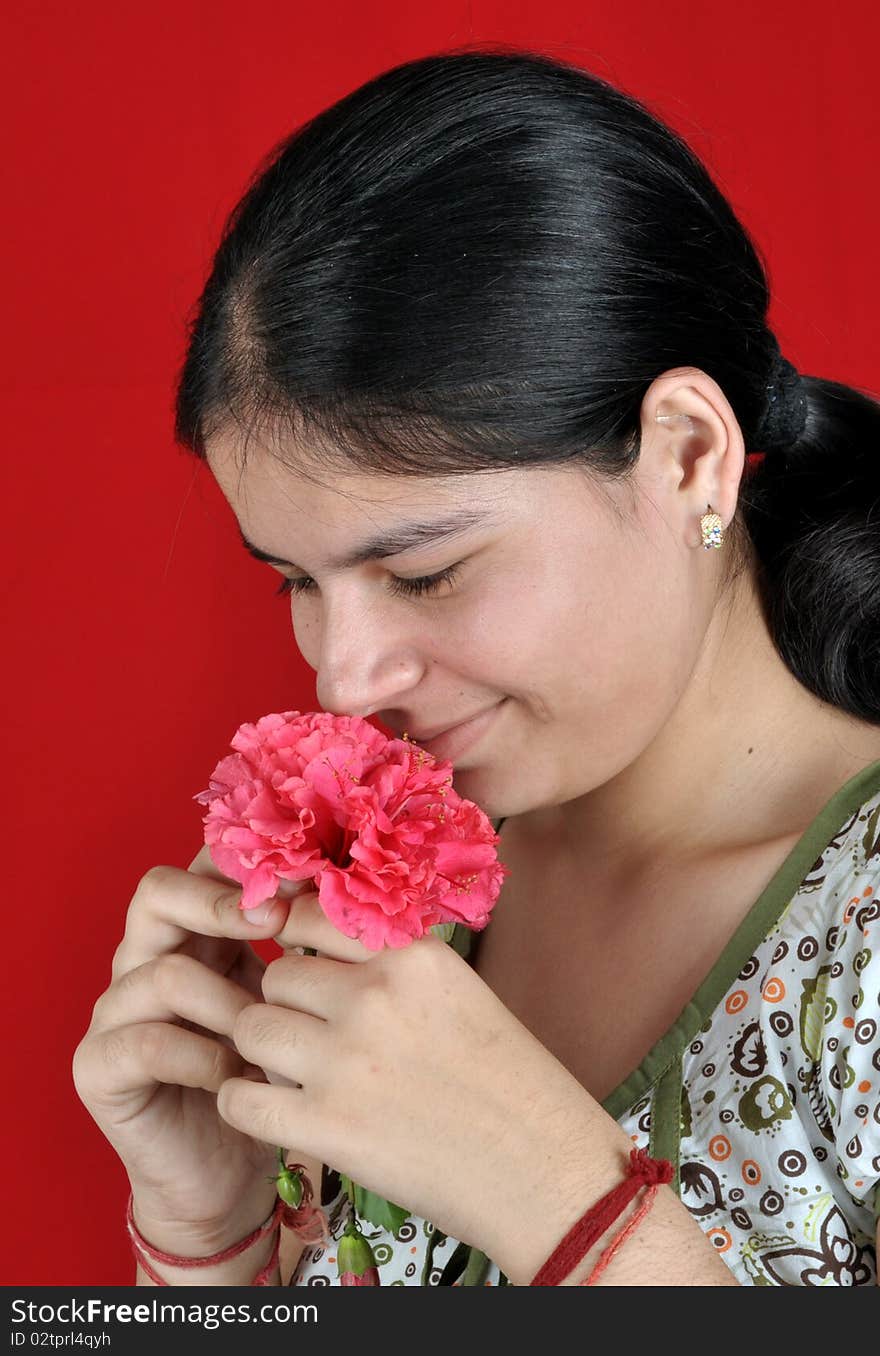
(711, 529)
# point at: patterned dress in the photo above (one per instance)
(764, 1093)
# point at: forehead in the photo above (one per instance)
(270, 491)
(297, 511)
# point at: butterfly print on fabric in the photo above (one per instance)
(840, 1260)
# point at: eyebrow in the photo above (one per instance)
(406, 537)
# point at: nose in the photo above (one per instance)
(370, 655)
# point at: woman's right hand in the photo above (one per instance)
(158, 1048)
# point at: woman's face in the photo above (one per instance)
(576, 626)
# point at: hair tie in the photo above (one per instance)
(786, 412)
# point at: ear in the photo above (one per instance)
(692, 440)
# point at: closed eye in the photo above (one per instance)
(428, 583)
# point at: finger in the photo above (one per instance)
(203, 864)
(248, 971)
(294, 1044)
(217, 953)
(170, 986)
(317, 985)
(170, 904)
(114, 1064)
(233, 959)
(276, 1115)
(308, 925)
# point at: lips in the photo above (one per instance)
(456, 740)
(446, 729)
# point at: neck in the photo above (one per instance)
(747, 756)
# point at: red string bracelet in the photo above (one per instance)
(642, 1171)
(307, 1220)
(142, 1247)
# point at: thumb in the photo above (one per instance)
(289, 889)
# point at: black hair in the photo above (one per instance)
(481, 259)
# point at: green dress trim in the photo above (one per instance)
(765, 912)
(665, 1135)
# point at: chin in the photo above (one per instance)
(486, 788)
(480, 785)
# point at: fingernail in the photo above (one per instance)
(260, 914)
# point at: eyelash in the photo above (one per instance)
(408, 587)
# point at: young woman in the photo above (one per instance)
(482, 366)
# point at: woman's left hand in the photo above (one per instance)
(416, 1081)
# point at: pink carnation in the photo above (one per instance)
(375, 822)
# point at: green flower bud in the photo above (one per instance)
(354, 1256)
(289, 1186)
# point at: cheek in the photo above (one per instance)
(493, 636)
(607, 653)
(632, 651)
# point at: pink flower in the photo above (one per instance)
(368, 1277)
(392, 848)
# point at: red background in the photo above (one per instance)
(141, 635)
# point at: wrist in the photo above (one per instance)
(201, 1237)
(240, 1254)
(238, 1271)
(539, 1207)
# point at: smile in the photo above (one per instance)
(458, 739)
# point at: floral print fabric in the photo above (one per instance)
(765, 1093)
